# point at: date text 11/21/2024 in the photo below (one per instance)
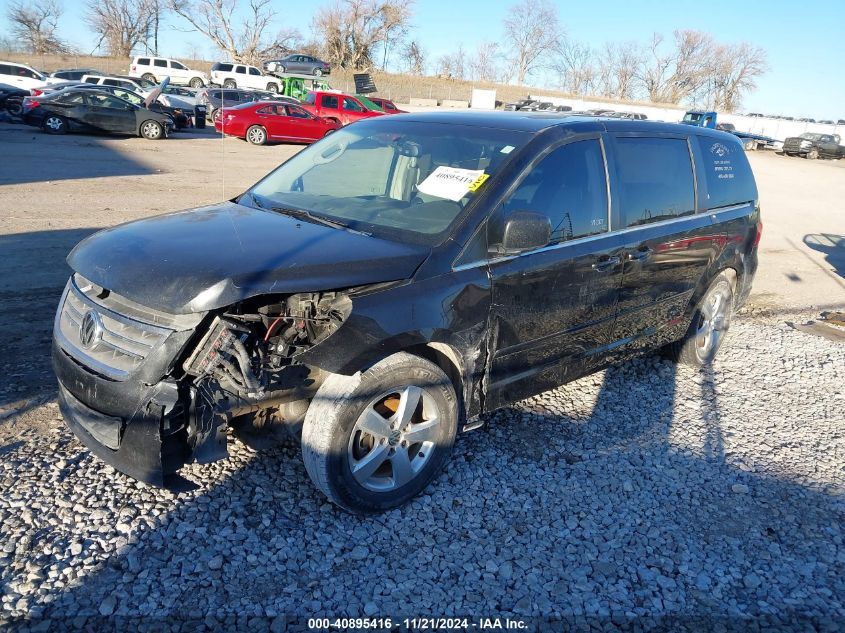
(419, 624)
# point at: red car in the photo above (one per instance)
(387, 105)
(262, 121)
(339, 107)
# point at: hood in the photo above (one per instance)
(208, 258)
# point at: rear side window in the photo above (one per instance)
(240, 70)
(329, 101)
(143, 61)
(161, 63)
(5, 69)
(727, 173)
(655, 179)
(92, 80)
(570, 187)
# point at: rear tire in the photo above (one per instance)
(256, 135)
(230, 83)
(196, 82)
(813, 154)
(152, 130)
(318, 72)
(372, 441)
(273, 87)
(55, 124)
(750, 146)
(710, 323)
(149, 77)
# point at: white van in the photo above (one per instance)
(21, 76)
(157, 68)
(234, 75)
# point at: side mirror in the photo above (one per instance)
(526, 230)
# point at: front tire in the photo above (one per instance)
(710, 323)
(813, 154)
(152, 130)
(256, 135)
(55, 124)
(273, 87)
(372, 441)
(196, 82)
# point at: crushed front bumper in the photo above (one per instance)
(142, 431)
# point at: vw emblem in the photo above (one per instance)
(90, 330)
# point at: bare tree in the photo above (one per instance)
(575, 67)
(733, 72)
(35, 24)
(485, 64)
(237, 28)
(121, 24)
(353, 29)
(532, 29)
(414, 56)
(453, 65)
(158, 11)
(674, 74)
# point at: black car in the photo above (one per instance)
(74, 74)
(813, 145)
(86, 109)
(11, 98)
(298, 63)
(384, 287)
(216, 98)
(177, 116)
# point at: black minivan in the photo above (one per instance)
(382, 288)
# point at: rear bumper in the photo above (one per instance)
(746, 280)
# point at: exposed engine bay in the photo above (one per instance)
(248, 362)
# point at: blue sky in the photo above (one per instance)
(804, 40)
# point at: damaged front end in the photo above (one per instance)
(148, 392)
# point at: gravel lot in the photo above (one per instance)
(645, 490)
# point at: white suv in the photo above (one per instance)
(138, 84)
(157, 68)
(234, 75)
(21, 76)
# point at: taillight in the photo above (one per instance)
(759, 233)
(29, 104)
(36, 92)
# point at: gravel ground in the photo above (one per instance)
(645, 490)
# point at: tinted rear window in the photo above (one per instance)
(655, 179)
(222, 67)
(727, 173)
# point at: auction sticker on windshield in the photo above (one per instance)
(451, 183)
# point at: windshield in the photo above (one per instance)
(810, 136)
(402, 180)
(144, 83)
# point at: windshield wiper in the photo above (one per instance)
(316, 219)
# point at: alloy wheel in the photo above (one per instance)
(151, 130)
(393, 439)
(714, 319)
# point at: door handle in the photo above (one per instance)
(640, 255)
(606, 264)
